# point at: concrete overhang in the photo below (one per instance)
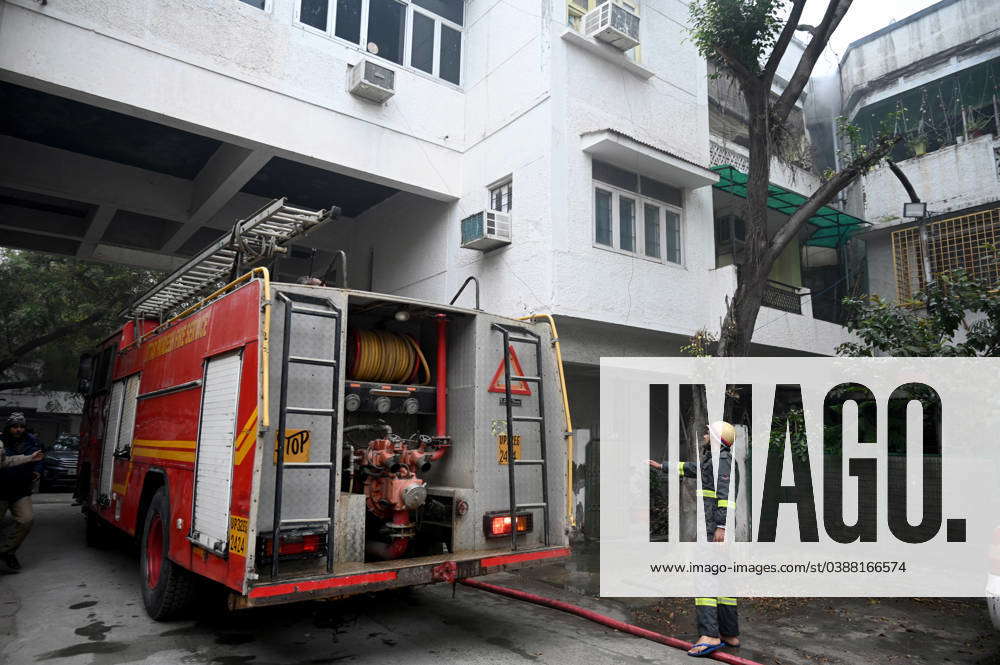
(617, 148)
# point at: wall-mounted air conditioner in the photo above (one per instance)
(486, 230)
(372, 81)
(613, 22)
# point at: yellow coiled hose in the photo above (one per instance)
(380, 355)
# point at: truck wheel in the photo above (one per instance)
(167, 589)
(99, 535)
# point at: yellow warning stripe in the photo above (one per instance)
(122, 488)
(246, 439)
(160, 453)
(149, 443)
(170, 449)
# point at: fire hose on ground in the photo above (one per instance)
(601, 619)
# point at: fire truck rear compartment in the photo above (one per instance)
(413, 486)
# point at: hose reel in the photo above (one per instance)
(381, 355)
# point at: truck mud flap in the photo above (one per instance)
(339, 586)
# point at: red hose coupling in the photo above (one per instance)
(446, 572)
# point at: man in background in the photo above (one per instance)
(16, 484)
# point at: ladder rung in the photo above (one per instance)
(309, 311)
(531, 505)
(310, 411)
(302, 360)
(306, 520)
(527, 419)
(307, 465)
(539, 462)
(526, 340)
(533, 379)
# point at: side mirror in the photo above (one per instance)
(85, 373)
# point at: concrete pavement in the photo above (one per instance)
(72, 605)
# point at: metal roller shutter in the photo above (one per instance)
(214, 472)
(127, 427)
(113, 421)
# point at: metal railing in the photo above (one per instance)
(778, 295)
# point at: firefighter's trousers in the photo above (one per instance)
(717, 615)
(12, 535)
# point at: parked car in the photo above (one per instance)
(59, 466)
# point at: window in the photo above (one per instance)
(575, 9)
(423, 34)
(673, 236)
(259, 4)
(652, 230)
(314, 13)
(501, 196)
(636, 215)
(386, 23)
(349, 20)
(626, 223)
(422, 52)
(602, 216)
(451, 54)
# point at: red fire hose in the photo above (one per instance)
(600, 618)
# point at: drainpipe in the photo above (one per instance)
(442, 376)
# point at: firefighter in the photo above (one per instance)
(16, 482)
(718, 623)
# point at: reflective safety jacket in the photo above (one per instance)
(715, 497)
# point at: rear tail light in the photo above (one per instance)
(500, 524)
(296, 545)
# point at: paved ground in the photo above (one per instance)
(73, 606)
(831, 631)
(76, 606)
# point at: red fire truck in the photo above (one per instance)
(291, 441)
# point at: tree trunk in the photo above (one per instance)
(695, 420)
(741, 316)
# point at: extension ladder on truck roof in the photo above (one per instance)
(252, 241)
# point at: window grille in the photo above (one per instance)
(967, 242)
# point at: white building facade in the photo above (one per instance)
(939, 70)
(138, 131)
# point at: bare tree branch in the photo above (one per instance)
(834, 14)
(780, 46)
(821, 196)
(51, 336)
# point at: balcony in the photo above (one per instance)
(784, 297)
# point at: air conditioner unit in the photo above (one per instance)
(486, 230)
(614, 23)
(372, 81)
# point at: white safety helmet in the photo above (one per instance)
(723, 431)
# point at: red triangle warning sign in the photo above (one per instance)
(516, 387)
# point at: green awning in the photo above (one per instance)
(833, 228)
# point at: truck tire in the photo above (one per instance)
(167, 589)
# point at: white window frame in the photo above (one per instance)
(640, 224)
(266, 9)
(410, 9)
(507, 181)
